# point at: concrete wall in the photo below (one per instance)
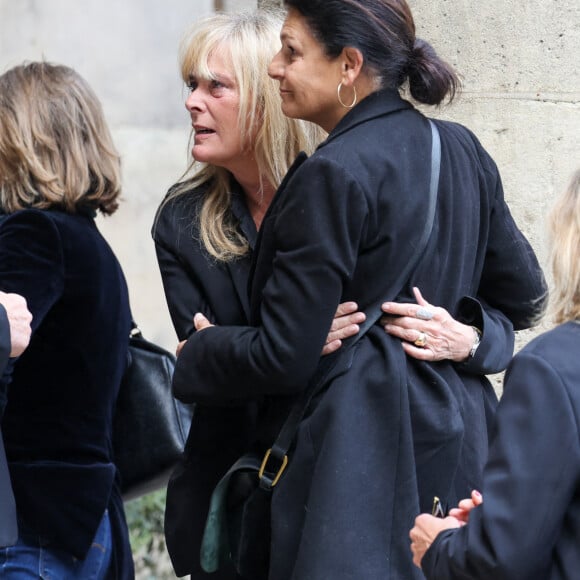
(521, 97)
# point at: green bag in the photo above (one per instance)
(237, 528)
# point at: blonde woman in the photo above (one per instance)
(206, 229)
(58, 167)
(529, 522)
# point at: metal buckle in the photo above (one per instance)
(280, 471)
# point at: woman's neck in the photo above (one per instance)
(258, 198)
(258, 191)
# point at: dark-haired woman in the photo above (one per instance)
(385, 433)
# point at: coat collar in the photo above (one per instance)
(375, 105)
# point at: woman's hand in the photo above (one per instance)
(200, 322)
(19, 319)
(345, 324)
(465, 506)
(425, 531)
(428, 332)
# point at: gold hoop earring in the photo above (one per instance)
(340, 99)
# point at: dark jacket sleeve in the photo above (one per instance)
(31, 261)
(515, 286)
(183, 296)
(496, 348)
(529, 483)
(314, 258)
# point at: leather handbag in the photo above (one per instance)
(150, 426)
(238, 522)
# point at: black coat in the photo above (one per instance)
(193, 281)
(341, 224)
(57, 423)
(528, 527)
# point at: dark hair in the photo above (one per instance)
(384, 32)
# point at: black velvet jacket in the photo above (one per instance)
(62, 390)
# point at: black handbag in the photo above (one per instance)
(238, 522)
(150, 426)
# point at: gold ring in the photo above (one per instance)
(421, 340)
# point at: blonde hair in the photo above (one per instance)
(55, 147)
(564, 236)
(251, 39)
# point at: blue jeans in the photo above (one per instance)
(32, 557)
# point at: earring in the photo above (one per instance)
(340, 99)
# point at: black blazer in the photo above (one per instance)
(61, 397)
(195, 282)
(528, 527)
(341, 223)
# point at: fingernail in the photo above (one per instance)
(476, 493)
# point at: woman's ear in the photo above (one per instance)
(352, 63)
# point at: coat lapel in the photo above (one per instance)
(302, 157)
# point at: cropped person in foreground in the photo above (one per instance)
(14, 338)
(528, 525)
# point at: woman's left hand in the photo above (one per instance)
(428, 332)
(465, 507)
(425, 531)
(200, 322)
(345, 324)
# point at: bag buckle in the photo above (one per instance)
(280, 470)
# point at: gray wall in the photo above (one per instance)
(521, 97)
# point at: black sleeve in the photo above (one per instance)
(31, 261)
(529, 482)
(512, 279)
(496, 348)
(316, 238)
(5, 344)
